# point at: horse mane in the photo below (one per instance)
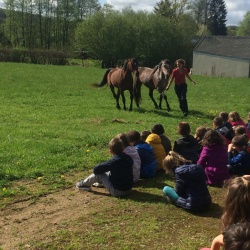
(125, 65)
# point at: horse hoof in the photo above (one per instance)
(169, 109)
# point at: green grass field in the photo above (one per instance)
(55, 123)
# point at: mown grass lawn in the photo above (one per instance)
(55, 123)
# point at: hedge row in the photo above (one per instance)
(33, 56)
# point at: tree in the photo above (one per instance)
(244, 26)
(164, 8)
(172, 10)
(115, 39)
(217, 14)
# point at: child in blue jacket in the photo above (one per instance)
(238, 156)
(148, 159)
(190, 191)
(116, 174)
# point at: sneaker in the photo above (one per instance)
(185, 114)
(83, 187)
(98, 184)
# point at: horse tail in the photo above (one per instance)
(105, 78)
(137, 91)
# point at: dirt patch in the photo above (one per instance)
(25, 221)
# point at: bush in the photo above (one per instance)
(34, 56)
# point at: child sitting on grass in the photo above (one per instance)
(239, 163)
(187, 146)
(236, 237)
(236, 210)
(148, 160)
(131, 151)
(190, 191)
(166, 143)
(115, 174)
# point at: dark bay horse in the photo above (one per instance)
(122, 79)
(156, 78)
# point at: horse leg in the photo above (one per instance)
(116, 96)
(166, 99)
(160, 101)
(131, 100)
(152, 97)
(123, 100)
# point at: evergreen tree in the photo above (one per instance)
(217, 14)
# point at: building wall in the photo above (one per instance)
(211, 65)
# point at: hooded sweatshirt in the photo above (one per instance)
(154, 141)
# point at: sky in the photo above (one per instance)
(236, 9)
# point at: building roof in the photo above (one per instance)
(226, 46)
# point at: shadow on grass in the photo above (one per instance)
(174, 113)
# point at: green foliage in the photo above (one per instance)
(244, 26)
(128, 34)
(34, 56)
(217, 14)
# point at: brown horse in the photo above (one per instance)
(122, 79)
(156, 78)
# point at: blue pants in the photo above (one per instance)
(181, 92)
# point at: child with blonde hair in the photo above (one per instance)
(190, 191)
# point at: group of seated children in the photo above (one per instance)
(208, 158)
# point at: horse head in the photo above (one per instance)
(164, 69)
(131, 65)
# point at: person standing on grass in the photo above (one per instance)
(179, 74)
(190, 191)
(116, 174)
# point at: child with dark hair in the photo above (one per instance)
(144, 134)
(199, 134)
(239, 164)
(131, 151)
(239, 130)
(224, 117)
(166, 143)
(179, 74)
(116, 174)
(190, 191)
(235, 237)
(148, 160)
(187, 146)
(213, 158)
(236, 210)
(218, 125)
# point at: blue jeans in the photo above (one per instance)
(104, 179)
